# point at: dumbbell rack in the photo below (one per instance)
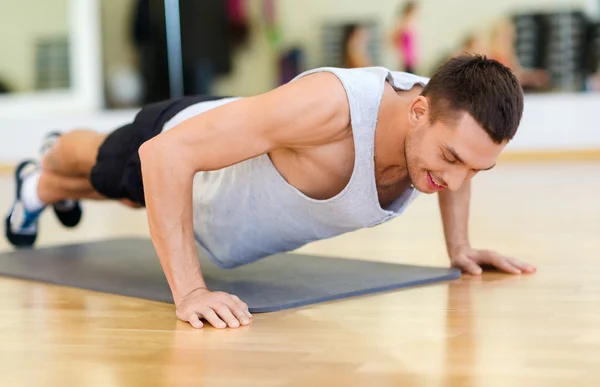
(557, 42)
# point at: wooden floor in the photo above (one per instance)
(498, 330)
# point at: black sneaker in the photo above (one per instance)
(21, 226)
(68, 212)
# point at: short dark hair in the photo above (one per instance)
(484, 88)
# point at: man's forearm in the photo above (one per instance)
(454, 208)
(168, 194)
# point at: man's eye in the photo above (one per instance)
(451, 161)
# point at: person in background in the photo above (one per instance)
(472, 44)
(355, 46)
(502, 49)
(404, 37)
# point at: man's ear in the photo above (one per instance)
(419, 109)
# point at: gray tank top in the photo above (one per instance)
(248, 211)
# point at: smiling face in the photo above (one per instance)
(448, 152)
(466, 114)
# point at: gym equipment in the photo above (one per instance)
(557, 42)
(130, 267)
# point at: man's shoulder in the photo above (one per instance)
(358, 71)
(398, 79)
(404, 80)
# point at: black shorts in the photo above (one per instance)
(117, 173)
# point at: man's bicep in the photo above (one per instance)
(309, 111)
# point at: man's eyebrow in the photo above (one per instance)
(460, 160)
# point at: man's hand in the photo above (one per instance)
(454, 207)
(470, 261)
(218, 308)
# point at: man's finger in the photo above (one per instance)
(225, 313)
(504, 263)
(468, 266)
(239, 312)
(242, 305)
(210, 316)
(194, 320)
(241, 315)
(523, 266)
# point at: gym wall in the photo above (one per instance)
(441, 26)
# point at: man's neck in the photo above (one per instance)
(393, 128)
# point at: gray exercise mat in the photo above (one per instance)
(130, 267)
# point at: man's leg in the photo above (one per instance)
(60, 179)
(67, 165)
(73, 154)
(64, 158)
(53, 188)
(83, 164)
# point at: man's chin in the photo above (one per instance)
(424, 188)
(419, 186)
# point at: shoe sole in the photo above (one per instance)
(18, 240)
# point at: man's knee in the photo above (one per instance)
(75, 152)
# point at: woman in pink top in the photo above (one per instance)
(404, 37)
